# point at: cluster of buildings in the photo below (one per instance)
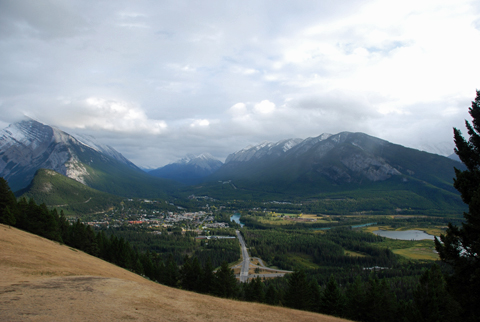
(155, 219)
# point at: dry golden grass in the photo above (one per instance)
(310, 216)
(41, 280)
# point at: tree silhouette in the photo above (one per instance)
(460, 246)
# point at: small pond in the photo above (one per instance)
(405, 234)
(236, 218)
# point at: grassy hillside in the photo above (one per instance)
(44, 281)
(63, 193)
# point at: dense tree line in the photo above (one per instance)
(279, 247)
(372, 299)
(179, 244)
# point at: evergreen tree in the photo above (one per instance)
(380, 301)
(147, 264)
(7, 217)
(208, 278)
(185, 274)
(432, 302)
(333, 302)
(254, 290)
(137, 266)
(460, 246)
(225, 282)
(196, 275)
(8, 204)
(191, 274)
(271, 295)
(316, 296)
(355, 300)
(22, 214)
(63, 226)
(388, 302)
(297, 295)
(172, 274)
(373, 300)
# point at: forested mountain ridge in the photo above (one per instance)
(336, 163)
(74, 198)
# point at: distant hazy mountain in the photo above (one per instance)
(190, 169)
(333, 163)
(455, 157)
(442, 148)
(28, 145)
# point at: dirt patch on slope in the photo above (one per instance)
(42, 280)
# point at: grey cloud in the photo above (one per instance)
(181, 62)
(44, 19)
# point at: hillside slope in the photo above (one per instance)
(44, 281)
(63, 193)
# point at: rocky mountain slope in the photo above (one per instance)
(335, 163)
(341, 158)
(42, 280)
(190, 169)
(28, 145)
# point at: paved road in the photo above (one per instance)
(260, 261)
(272, 269)
(246, 259)
(267, 275)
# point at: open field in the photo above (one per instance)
(353, 254)
(277, 220)
(311, 216)
(421, 253)
(42, 280)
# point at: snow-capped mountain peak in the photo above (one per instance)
(264, 148)
(29, 145)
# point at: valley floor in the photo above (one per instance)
(42, 280)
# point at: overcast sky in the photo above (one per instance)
(159, 79)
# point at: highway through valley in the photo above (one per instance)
(245, 266)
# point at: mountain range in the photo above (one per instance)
(342, 166)
(343, 158)
(346, 163)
